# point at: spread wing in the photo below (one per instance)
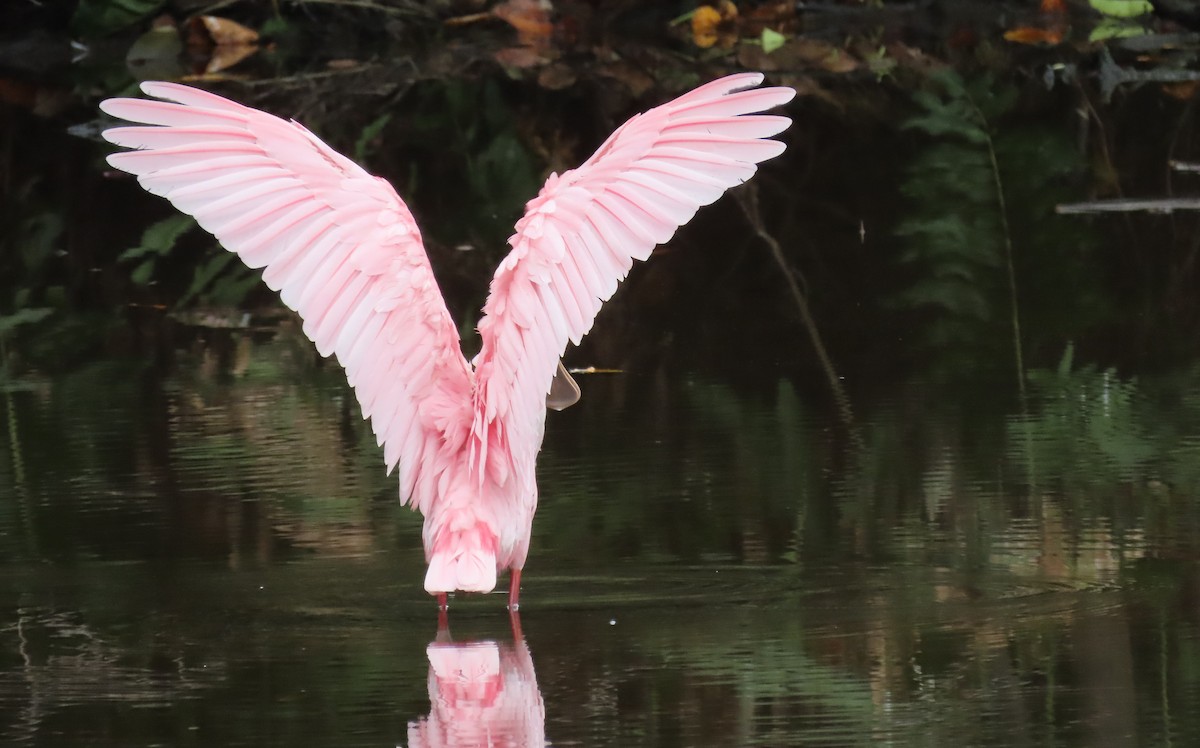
(583, 231)
(339, 245)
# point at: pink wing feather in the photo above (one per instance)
(338, 244)
(579, 238)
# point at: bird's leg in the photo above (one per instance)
(443, 618)
(514, 591)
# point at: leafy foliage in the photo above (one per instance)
(974, 191)
(10, 322)
(370, 134)
(954, 233)
(95, 18)
(479, 147)
(157, 242)
(218, 280)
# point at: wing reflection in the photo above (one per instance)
(481, 693)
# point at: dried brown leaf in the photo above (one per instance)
(635, 80)
(224, 32)
(225, 56)
(798, 54)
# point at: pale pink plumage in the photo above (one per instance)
(345, 253)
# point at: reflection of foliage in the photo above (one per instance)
(1178, 427)
(63, 656)
(27, 294)
(1085, 429)
(9, 323)
(959, 226)
(765, 662)
(47, 444)
(911, 645)
(732, 482)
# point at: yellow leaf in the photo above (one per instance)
(704, 26)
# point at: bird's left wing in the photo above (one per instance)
(337, 243)
(583, 231)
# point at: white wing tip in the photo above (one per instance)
(750, 78)
(112, 134)
(787, 93)
(159, 89)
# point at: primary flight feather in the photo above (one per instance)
(344, 252)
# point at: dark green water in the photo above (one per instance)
(215, 558)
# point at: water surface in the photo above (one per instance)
(218, 559)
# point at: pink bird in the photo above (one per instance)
(344, 252)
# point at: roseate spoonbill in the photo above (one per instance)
(344, 252)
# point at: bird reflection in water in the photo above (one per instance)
(481, 693)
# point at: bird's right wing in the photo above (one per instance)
(583, 231)
(337, 243)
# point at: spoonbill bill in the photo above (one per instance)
(344, 252)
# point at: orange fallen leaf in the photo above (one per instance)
(1031, 35)
(531, 19)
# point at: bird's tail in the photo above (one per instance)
(462, 560)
